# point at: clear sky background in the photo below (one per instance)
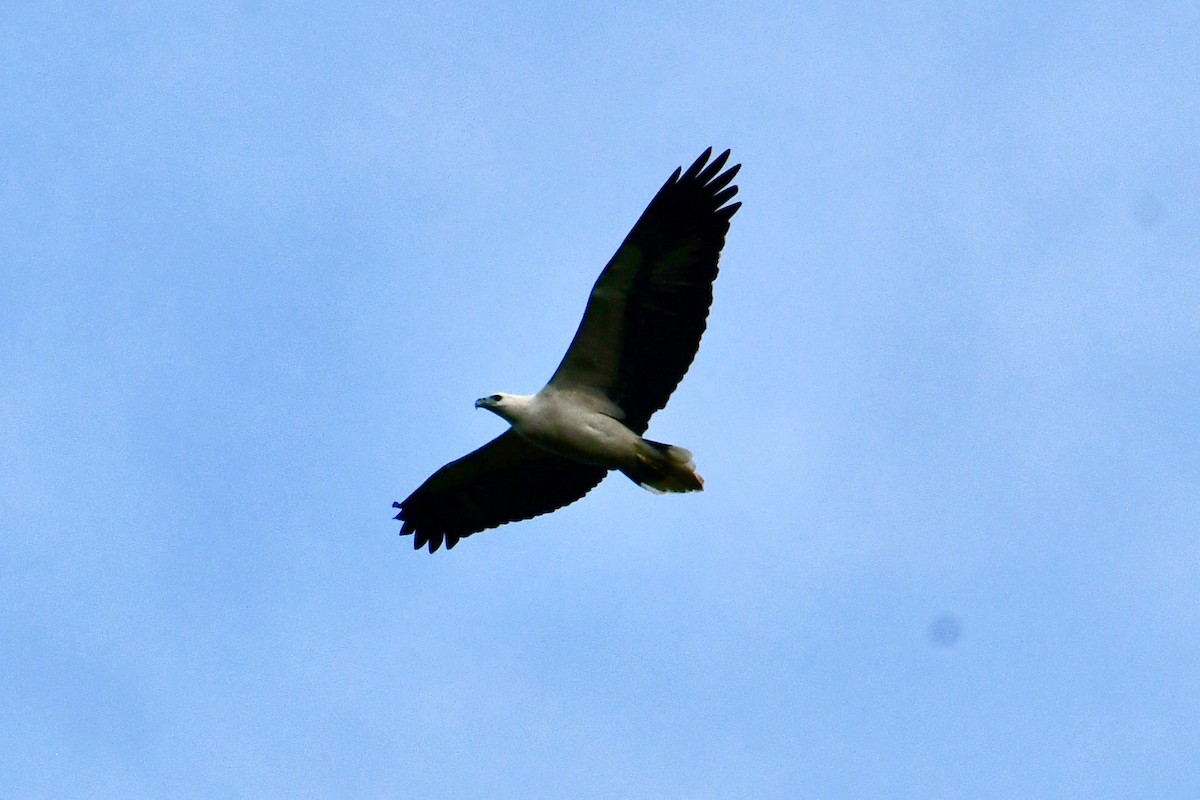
(258, 260)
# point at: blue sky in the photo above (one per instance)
(260, 259)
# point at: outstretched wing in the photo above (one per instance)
(649, 307)
(506, 480)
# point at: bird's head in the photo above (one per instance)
(491, 402)
(501, 404)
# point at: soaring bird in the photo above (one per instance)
(638, 336)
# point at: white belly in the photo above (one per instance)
(579, 434)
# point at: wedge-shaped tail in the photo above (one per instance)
(665, 468)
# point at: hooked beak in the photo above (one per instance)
(483, 402)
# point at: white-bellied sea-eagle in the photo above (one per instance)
(639, 334)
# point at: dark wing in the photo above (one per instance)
(649, 307)
(506, 480)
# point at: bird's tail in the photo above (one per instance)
(662, 468)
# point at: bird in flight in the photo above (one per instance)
(638, 336)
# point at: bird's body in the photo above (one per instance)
(638, 336)
(586, 429)
(571, 425)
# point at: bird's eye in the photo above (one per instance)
(495, 398)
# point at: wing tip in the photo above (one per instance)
(728, 211)
(723, 196)
(694, 170)
(426, 537)
(714, 166)
(709, 175)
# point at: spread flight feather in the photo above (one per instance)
(639, 333)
